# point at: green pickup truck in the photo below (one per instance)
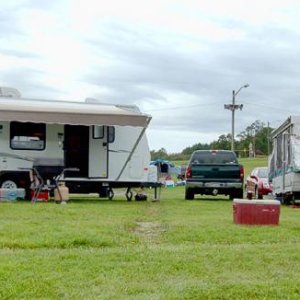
(214, 172)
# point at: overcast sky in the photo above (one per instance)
(177, 60)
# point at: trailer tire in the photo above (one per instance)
(129, 196)
(8, 184)
(14, 181)
(110, 194)
(280, 198)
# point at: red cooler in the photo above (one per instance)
(42, 196)
(256, 212)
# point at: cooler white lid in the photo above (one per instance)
(246, 201)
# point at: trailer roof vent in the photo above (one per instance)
(9, 92)
(93, 101)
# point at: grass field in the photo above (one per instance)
(171, 249)
(250, 163)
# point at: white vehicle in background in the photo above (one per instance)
(105, 145)
(284, 162)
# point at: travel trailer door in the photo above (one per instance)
(76, 148)
(98, 151)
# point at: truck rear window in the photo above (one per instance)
(213, 157)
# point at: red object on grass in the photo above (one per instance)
(256, 212)
(42, 196)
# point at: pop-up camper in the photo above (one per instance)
(105, 145)
(284, 162)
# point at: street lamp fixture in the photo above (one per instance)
(233, 107)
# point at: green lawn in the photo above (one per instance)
(250, 163)
(171, 249)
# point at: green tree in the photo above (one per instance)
(257, 134)
(199, 146)
(160, 154)
(223, 142)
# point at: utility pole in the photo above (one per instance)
(268, 133)
(254, 142)
(233, 107)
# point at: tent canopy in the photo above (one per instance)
(73, 113)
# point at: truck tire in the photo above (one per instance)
(239, 194)
(189, 194)
(236, 194)
(110, 194)
(257, 195)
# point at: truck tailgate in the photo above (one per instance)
(215, 172)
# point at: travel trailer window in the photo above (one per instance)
(27, 136)
(111, 134)
(285, 147)
(289, 149)
(271, 167)
(98, 132)
(279, 151)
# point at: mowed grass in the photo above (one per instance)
(171, 249)
(251, 163)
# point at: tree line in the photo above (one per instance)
(254, 140)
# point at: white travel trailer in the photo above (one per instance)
(105, 145)
(284, 162)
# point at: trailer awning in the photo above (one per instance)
(73, 113)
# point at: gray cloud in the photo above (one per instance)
(184, 88)
(267, 59)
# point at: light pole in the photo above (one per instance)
(233, 107)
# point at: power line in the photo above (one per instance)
(182, 107)
(217, 103)
(266, 106)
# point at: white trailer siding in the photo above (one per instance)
(138, 165)
(51, 154)
(284, 163)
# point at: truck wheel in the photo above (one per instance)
(239, 194)
(236, 194)
(189, 194)
(257, 195)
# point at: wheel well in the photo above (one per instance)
(22, 179)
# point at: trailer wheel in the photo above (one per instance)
(9, 181)
(129, 195)
(289, 199)
(110, 194)
(292, 199)
(280, 198)
(9, 184)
